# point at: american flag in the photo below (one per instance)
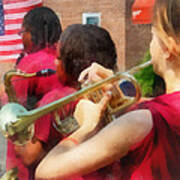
(11, 16)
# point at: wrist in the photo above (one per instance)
(70, 140)
(82, 134)
(86, 132)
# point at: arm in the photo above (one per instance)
(31, 152)
(110, 144)
(35, 149)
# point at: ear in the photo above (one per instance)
(58, 46)
(171, 49)
(60, 71)
(59, 66)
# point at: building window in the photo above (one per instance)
(92, 18)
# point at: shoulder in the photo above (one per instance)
(164, 109)
(167, 105)
(134, 125)
(140, 118)
(126, 131)
(38, 61)
(56, 94)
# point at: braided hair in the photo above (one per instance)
(44, 26)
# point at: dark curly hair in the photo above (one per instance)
(82, 45)
(44, 26)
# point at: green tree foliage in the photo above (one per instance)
(151, 84)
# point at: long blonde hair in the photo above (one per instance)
(167, 18)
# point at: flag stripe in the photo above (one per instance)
(10, 1)
(11, 47)
(16, 31)
(14, 11)
(9, 57)
(25, 9)
(6, 53)
(13, 26)
(14, 21)
(21, 4)
(12, 42)
(11, 37)
(14, 16)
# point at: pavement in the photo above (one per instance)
(4, 67)
(3, 148)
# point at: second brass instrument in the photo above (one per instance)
(10, 74)
(15, 119)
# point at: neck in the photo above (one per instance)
(72, 84)
(172, 79)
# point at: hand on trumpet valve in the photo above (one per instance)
(89, 114)
(94, 74)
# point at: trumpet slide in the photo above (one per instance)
(15, 119)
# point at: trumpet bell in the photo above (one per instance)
(10, 175)
(8, 118)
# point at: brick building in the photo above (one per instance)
(137, 38)
(115, 15)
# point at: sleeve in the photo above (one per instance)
(156, 154)
(25, 86)
(43, 128)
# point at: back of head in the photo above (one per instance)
(81, 45)
(167, 18)
(44, 26)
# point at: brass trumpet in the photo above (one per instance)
(16, 121)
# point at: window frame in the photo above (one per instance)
(87, 15)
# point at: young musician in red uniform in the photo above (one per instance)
(94, 43)
(141, 144)
(40, 32)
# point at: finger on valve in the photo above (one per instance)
(95, 73)
(87, 111)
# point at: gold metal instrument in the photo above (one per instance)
(15, 72)
(28, 132)
(10, 174)
(16, 121)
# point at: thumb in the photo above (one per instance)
(83, 74)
